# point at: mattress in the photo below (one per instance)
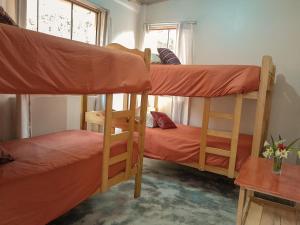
(52, 174)
(181, 145)
(203, 80)
(37, 63)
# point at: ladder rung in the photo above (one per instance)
(116, 179)
(121, 114)
(217, 133)
(251, 95)
(118, 158)
(120, 137)
(227, 116)
(217, 151)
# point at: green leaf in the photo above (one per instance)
(292, 143)
(272, 139)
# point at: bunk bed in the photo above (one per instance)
(53, 173)
(216, 151)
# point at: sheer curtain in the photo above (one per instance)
(184, 51)
(23, 101)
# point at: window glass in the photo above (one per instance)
(161, 38)
(31, 21)
(55, 18)
(172, 39)
(84, 25)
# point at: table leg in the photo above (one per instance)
(239, 216)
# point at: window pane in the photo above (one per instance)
(55, 17)
(84, 25)
(156, 39)
(31, 20)
(172, 39)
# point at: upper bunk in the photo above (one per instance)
(204, 80)
(36, 63)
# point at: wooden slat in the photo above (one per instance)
(84, 100)
(220, 115)
(204, 130)
(141, 141)
(120, 114)
(118, 158)
(218, 133)
(217, 170)
(235, 134)
(106, 142)
(125, 101)
(251, 95)
(156, 103)
(117, 179)
(267, 66)
(130, 134)
(120, 137)
(217, 151)
(240, 209)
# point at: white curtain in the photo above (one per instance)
(184, 51)
(23, 101)
(22, 109)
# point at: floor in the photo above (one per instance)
(171, 195)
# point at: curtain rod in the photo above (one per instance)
(173, 23)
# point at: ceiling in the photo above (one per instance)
(147, 2)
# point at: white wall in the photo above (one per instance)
(241, 32)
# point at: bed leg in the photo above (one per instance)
(138, 184)
(142, 125)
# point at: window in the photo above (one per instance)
(64, 18)
(161, 36)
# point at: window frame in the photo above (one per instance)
(101, 18)
(163, 26)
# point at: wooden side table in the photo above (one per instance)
(256, 176)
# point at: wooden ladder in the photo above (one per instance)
(233, 135)
(110, 138)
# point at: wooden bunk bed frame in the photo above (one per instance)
(263, 107)
(108, 118)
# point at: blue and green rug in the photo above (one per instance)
(171, 195)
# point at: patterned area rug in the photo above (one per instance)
(171, 195)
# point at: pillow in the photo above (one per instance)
(155, 59)
(5, 18)
(163, 120)
(150, 122)
(5, 157)
(167, 56)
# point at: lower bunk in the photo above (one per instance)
(182, 145)
(53, 173)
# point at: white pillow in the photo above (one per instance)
(149, 121)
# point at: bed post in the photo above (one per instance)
(141, 130)
(84, 100)
(263, 105)
(106, 142)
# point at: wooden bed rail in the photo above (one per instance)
(110, 119)
(263, 106)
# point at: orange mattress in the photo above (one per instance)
(203, 80)
(51, 174)
(182, 145)
(37, 63)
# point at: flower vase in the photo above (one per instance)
(277, 165)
